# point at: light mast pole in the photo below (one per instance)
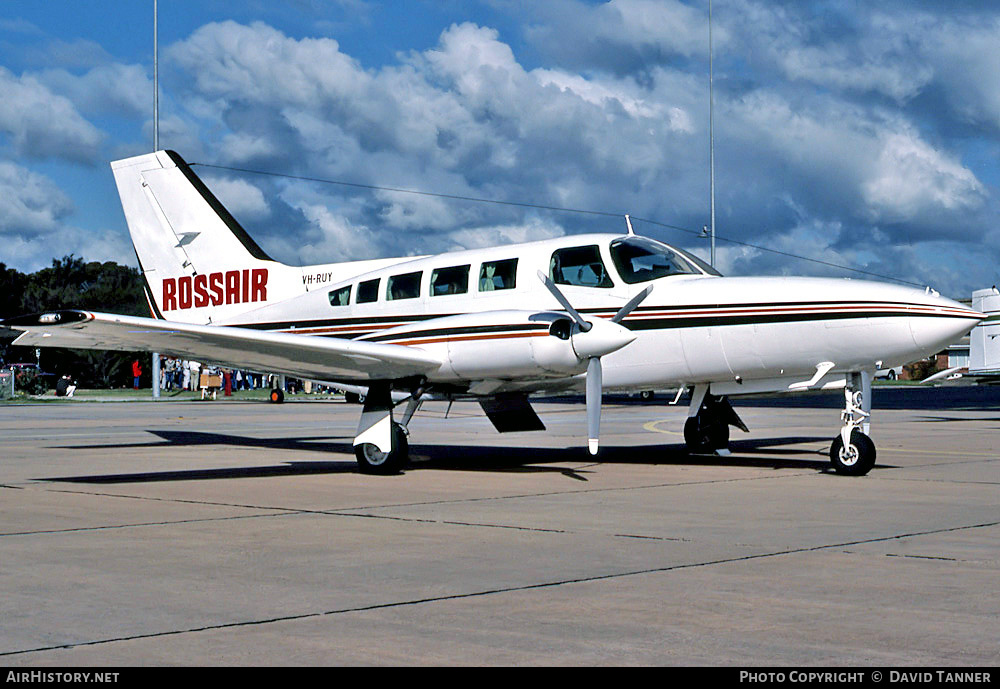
(156, 147)
(711, 128)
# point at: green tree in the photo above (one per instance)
(12, 284)
(72, 284)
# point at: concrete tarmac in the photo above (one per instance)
(211, 533)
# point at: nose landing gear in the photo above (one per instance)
(853, 452)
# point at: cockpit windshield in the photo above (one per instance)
(639, 259)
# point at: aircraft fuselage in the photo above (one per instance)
(744, 334)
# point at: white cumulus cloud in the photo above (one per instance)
(43, 124)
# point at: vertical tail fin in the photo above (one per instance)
(199, 264)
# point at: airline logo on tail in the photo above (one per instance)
(215, 289)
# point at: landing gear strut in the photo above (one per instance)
(381, 444)
(853, 452)
(706, 430)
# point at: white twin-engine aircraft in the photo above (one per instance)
(582, 312)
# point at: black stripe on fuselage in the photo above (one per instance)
(903, 305)
(667, 323)
(760, 319)
(335, 322)
(466, 330)
(850, 311)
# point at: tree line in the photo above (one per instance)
(72, 283)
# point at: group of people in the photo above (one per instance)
(179, 374)
(174, 374)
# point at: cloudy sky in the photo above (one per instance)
(854, 133)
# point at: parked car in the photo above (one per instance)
(893, 373)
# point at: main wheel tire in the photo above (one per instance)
(371, 460)
(891, 375)
(704, 436)
(277, 396)
(857, 459)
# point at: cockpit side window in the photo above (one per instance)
(579, 265)
(640, 260)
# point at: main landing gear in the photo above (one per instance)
(381, 444)
(706, 430)
(372, 460)
(853, 452)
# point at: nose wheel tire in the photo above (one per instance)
(372, 460)
(277, 396)
(857, 458)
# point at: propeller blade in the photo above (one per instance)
(561, 298)
(630, 306)
(594, 392)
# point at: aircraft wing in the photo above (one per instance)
(302, 356)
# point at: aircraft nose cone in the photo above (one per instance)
(940, 322)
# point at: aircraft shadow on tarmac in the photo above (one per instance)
(949, 419)
(964, 397)
(768, 453)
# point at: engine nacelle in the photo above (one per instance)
(494, 344)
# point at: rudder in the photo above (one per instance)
(199, 264)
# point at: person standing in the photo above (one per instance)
(195, 374)
(136, 373)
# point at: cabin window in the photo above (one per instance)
(454, 280)
(497, 275)
(367, 291)
(340, 297)
(406, 286)
(579, 265)
(639, 260)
